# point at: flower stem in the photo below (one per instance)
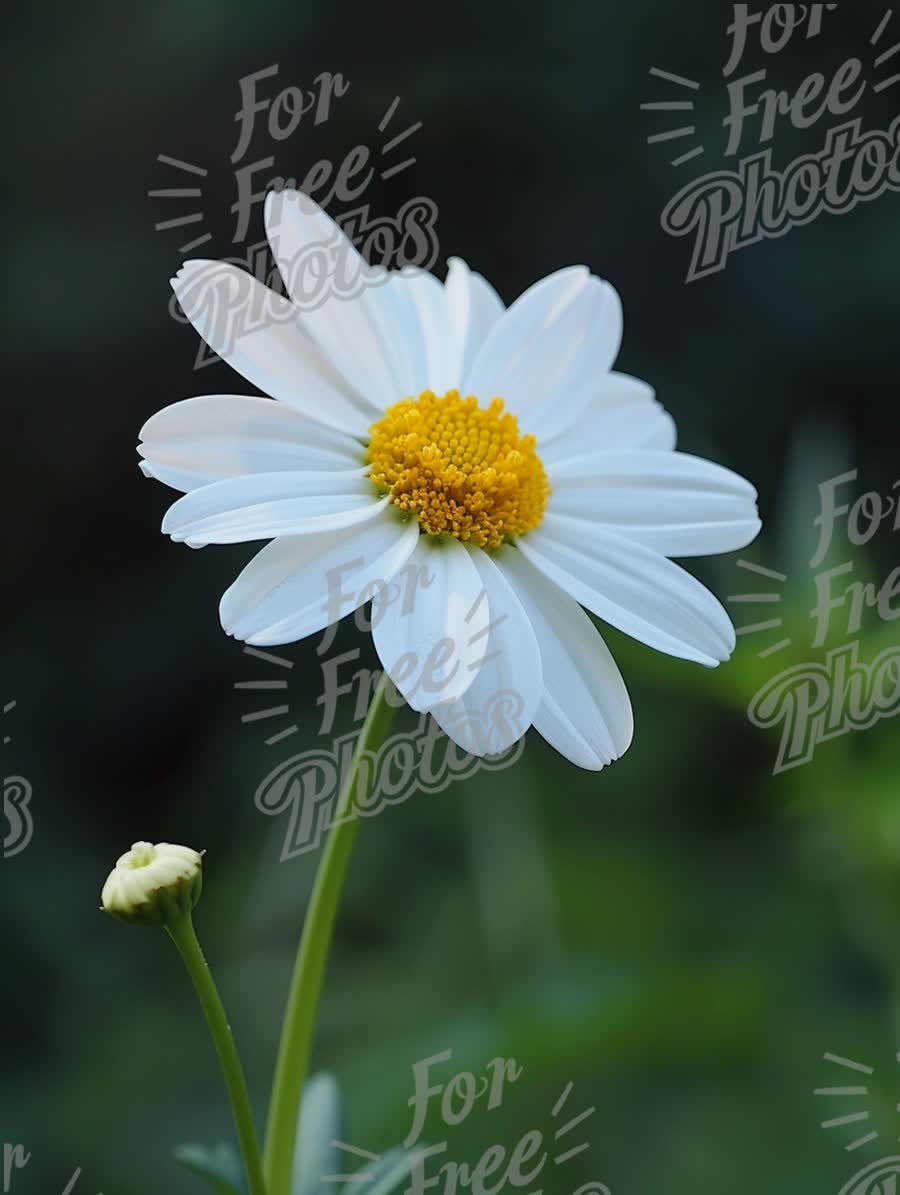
(312, 955)
(181, 931)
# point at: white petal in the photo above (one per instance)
(633, 588)
(337, 294)
(257, 332)
(474, 307)
(442, 326)
(298, 585)
(432, 313)
(500, 704)
(399, 312)
(676, 504)
(431, 634)
(585, 712)
(621, 412)
(266, 505)
(206, 439)
(557, 337)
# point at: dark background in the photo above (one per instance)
(683, 935)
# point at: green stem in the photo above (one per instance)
(312, 955)
(181, 931)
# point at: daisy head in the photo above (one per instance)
(481, 474)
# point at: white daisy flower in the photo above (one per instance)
(479, 473)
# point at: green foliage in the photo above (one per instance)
(318, 1128)
(219, 1166)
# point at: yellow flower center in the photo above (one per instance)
(461, 469)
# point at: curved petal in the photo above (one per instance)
(431, 635)
(400, 313)
(501, 702)
(474, 307)
(585, 711)
(337, 295)
(633, 588)
(257, 332)
(622, 412)
(298, 585)
(201, 440)
(266, 505)
(676, 504)
(429, 301)
(443, 326)
(557, 337)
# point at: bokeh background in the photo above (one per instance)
(684, 935)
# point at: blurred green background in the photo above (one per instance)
(683, 935)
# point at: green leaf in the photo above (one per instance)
(318, 1127)
(387, 1173)
(219, 1166)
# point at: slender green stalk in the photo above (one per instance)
(181, 931)
(312, 956)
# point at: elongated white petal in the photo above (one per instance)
(201, 440)
(257, 332)
(441, 327)
(432, 312)
(558, 336)
(431, 633)
(298, 585)
(676, 504)
(400, 314)
(474, 307)
(633, 588)
(338, 296)
(585, 711)
(619, 411)
(265, 505)
(500, 704)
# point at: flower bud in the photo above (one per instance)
(153, 885)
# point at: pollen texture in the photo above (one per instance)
(461, 469)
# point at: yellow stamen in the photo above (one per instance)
(461, 469)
